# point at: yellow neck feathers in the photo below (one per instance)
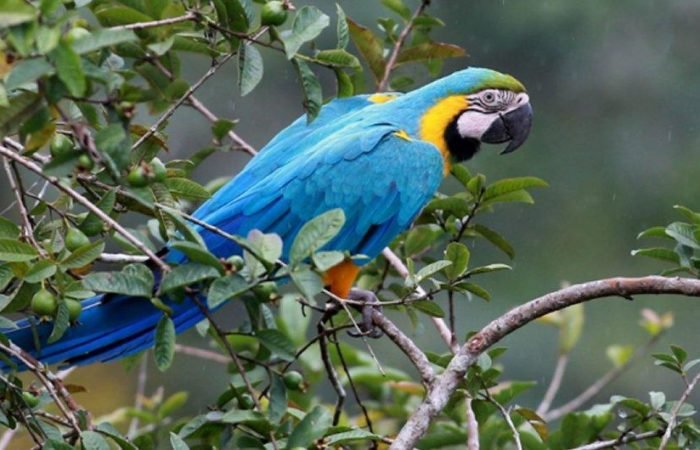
(436, 120)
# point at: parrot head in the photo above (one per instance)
(476, 106)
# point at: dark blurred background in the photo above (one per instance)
(615, 88)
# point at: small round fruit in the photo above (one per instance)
(246, 402)
(236, 261)
(74, 309)
(137, 177)
(76, 33)
(60, 146)
(85, 162)
(44, 303)
(273, 13)
(293, 380)
(266, 291)
(30, 399)
(158, 170)
(75, 239)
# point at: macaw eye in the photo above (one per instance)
(489, 97)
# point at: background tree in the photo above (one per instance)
(88, 91)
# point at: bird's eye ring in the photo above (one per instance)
(489, 97)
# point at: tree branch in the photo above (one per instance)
(7, 153)
(676, 409)
(625, 439)
(554, 385)
(417, 357)
(157, 23)
(446, 384)
(391, 62)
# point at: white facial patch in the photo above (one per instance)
(474, 124)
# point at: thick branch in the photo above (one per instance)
(620, 441)
(407, 346)
(446, 384)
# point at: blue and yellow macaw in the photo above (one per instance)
(380, 158)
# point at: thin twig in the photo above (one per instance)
(446, 384)
(156, 23)
(393, 56)
(121, 258)
(139, 396)
(506, 416)
(201, 353)
(676, 410)
(554, 385)
(27, 228)
(87, 204)
(7, 437)
(440, 324)
(624, 439)
(600, 384)
(216, 65)
(331, 372)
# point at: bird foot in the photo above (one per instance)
(371, 303)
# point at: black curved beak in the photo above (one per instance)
(513, 127)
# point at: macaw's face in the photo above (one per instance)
(493, 116)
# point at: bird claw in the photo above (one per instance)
(371, 303)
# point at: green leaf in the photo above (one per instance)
(312, 427)
(357, 435)
(164, 350)
(220, 128)
(683, 233)
(135, 280)
(177, 443)
(267, 246)
(278, 400)
(663, 254)
(489, 268)
(496, 239)
(225, 288)
(337, 58)
(458, 254)
(421, 237)
(370, 47)
(428, 51)
(619, 354)
(342, 30)
(102, 38)
(108, 430)
(186, 188)
(83, 255)
(26, 71)
(429, 307)
(186, 275)
(308, 23)
(198, 254)
(398, 7)
(474, 289)
(313, 96)
(571, 327)
(688, 213)
(291, 320)
(14, 12)
(308, 282)
(21, 107)
(92, 224)
(40, 271)
(172, 404)
(680, 353)
(511, 185)
(250, 72)
(277, 343)
(12, 250)
(325, 260)
(654, 232)
(344, 82)
(70, 69)
(60, 323)
(110, 15)
(8, 229)
(431, 269)
(315, 234)
(93, 440)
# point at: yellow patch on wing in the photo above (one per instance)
(403, 135)
(436, 120)
(382, 98)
